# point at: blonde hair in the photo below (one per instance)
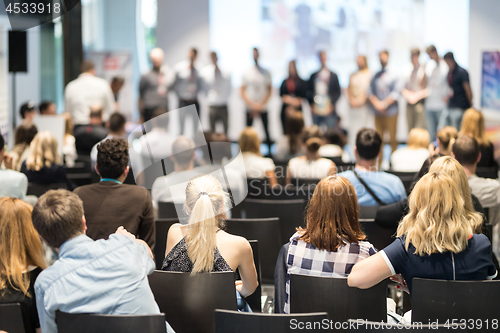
(68, 124)
(20, 245)
(43, 152)
(437, 221)
(249, 141)
(455, 170)
(447, 137)
(205, 205)
(419, 138)
(473, 125)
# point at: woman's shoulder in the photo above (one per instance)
(232, 239)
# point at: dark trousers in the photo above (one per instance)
(265, 122)
(218, 113)
(182, 115)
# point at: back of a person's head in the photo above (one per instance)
(447, 136)
(437, 221)
(57, 216)
(295, 122)
(96, 112)
(473, 125)
(425, 168)
(26, 107)
(20, 245)
(419, 138)
(332, 215)
(112, 158)
(466, 150)
(43, 106)
(117, 122)
(206, 203)
(44, 152)
(87, 66)
(368, 143)
(249, 141)
(335, 137)
(160, 118)
(312, 138)
(220, 147)
(183, 150)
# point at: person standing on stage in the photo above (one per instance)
(413, 92)
(217, 85)
(256, 90)
(153, 87)
(359, 115)
(323, 94)
(292, 90)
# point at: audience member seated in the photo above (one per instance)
(86, 136)
(110, 203)
(12, 183)
(256, 166)
(202, 245)
(466, 151)
(334, 142)
(157, 142)
(435, 241)
(21, 259)
(311, 165)
(116, 131)
(445, 139)
(373, 187)
(473, 125)
(333, 240)
(43, 165)
(390, 215)
(410, 158)
(69, 147)
(103, 276)
(288, 146)
(27, 112)
(47, 108)
(23, 136)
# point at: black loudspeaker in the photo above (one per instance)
(18, 51)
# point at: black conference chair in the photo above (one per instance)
(169, 210)
(11, 318)
(290, 213)
(257, 187)
(487, 172)
(445, 300)
(343, 166)
(189, 301)
(40, 189)
(305, 181)
(233, 321)
(376, 234)
(333, 295)
(406, 177)
(162, 226)
(98, 323)
(368, 212)
(267, 233)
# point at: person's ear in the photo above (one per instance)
(479, 157)
(84, 223)
(125, 173)
(97, 170)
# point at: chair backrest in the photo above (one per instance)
(189, 301)
(169, 210)
(290, 213)
(368, 212)
(40, 189)
(267, 233)
(162, 226)
(233, 321)
(487, 172)
(11, 318)
(442, 300)
(344, 166)
(99, 323)
(334, 296)
(376, 234)
(408, 178)
(305, 181)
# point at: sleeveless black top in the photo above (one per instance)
(178, 260)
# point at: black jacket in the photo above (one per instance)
(333, 88)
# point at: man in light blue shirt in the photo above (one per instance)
(103, 276)
(386, 187)
(12, 183)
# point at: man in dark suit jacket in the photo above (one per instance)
(86, 136)
(323, 93)
(110, 204)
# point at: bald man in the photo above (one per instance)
(154, 86)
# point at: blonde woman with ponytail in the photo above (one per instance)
(201, 245)
(436, 240)
(311, 165)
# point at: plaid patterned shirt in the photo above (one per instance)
(305, 259)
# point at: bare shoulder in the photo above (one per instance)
(235, 241)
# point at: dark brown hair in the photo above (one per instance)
(466, 150)
(57, 216)
(25, 133)
(332, 215)
(294, 125)
(112, 158)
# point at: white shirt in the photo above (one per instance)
(437, 84)
(300, 167)
(84, 92)
(158, 143)
(256, 166)
(414, 78)
(217, 85)
(408, 159)
(488, 193)
(69, 151)
(256, 81)
(187, 82)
